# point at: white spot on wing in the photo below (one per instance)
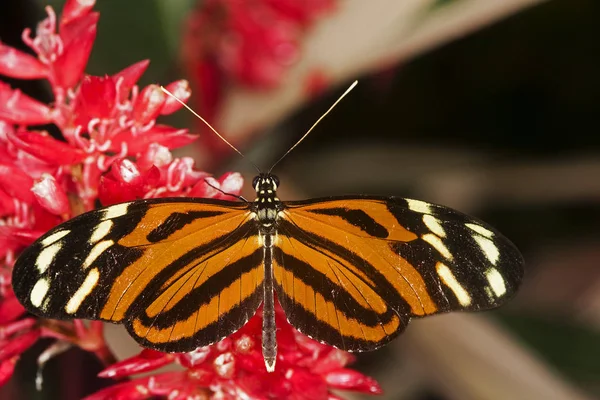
(419, 206)
(437, 244)
(450, 280)
(116, 211)
(489, 248)
(481, 230)
(84, 290)
(96, 251)
(433, 224)
(496, 282)
(102, 229)
(39, 291)
(55, 237)
(44, 259)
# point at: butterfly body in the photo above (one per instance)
(181, 273)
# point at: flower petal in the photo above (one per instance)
(74, 9)
(18, 108)
(16, 183)
(147, 360)
(7, 367)
(7, 204)
(10, 310)
(349, 379)
(129, 77)
(15, 346)
(46, 148)
(161, 385)
(96, 98)
(78, 38)
(163, 135)
(17, 64)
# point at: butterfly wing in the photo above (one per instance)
(179, 273)
(353, 271)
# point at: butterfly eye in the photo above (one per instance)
(275, 180)
(255, 181)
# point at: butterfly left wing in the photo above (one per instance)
(178, 273)
(353, 271)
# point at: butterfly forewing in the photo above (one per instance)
(352, 271)
(179, 273)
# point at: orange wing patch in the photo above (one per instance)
(369, 238)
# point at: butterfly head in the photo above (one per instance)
(265, 185)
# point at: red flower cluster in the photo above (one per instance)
(249, 43)
(234, 369)
(111, 149)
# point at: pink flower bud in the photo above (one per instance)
(50, 195)
(157, 155)
(148, 105)
(181, 90)
(126, 171)
(231, 183)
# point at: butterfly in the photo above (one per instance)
(349, 271)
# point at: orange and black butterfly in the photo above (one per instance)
(351, 272)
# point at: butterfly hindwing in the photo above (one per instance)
(179, 273)
(352, 271)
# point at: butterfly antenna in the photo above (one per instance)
(315, 124)
(209, 125)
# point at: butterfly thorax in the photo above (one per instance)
(266, 205)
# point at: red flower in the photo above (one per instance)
(109, 129)
(248, 43)
(16, 335)
(234, 368)
(252, 42)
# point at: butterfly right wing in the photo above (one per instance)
(352, 271)
(178, 273)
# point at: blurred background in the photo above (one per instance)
(490, 107)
